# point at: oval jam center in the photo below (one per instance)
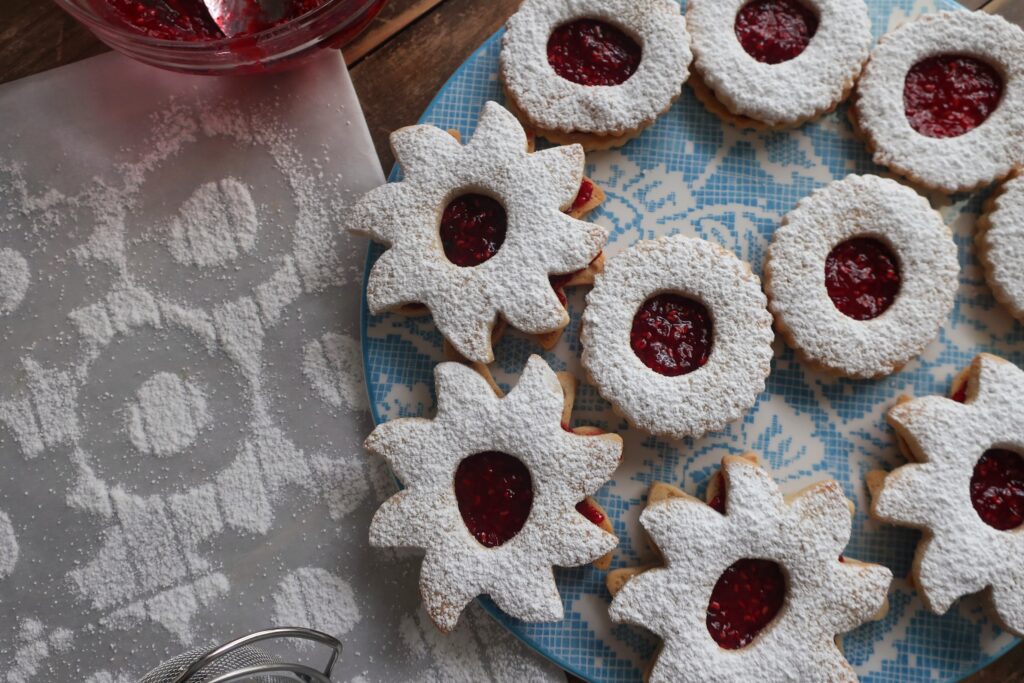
(862, 278)
(672, 334)
(948, 95)
(591, 52)
(997, 489)
(472, 229)
(775, 31)
(494, 491)
(746, 598)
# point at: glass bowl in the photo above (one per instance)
(333, 24)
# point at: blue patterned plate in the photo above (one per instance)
(690, 173)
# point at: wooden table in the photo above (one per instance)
(397, 65)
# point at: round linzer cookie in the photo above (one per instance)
(677, 336)
(1000, 243)
(861, 275)
(475, 231)
(776, 63)
(964, 489)
(594, 72)
(495, 493)
(941, 100)
(754, 588)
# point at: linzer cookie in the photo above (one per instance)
(677, 336)
(861, 275)
(594, 72)
(1000, 243)
(754, 589)
(964, 489)
(776, 63)
(941, 100)
(493, 484)
(502, 231)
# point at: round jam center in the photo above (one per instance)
(997, 489)
(862, 278)
(746, 598)
(672, 334)
(949, 95)
(591, 52)
(774, 31)
(473, 229)
(495, 492)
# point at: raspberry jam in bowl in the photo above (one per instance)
(182, 36)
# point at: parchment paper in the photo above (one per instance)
(181, 399)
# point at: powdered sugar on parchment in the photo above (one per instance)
(8, 546)
(333, 366)
(155, 368)
(215, 225)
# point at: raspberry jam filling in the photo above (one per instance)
(190, 20)
(997, 489)
(591, 52)
(495, 492)
(862, 278)
(472, 229)
(585, 194)
(775, 31)
(672, 334)
(745, 599)
(590, 511)
(949, 95)
(718, 501)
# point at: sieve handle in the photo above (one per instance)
(269, 634)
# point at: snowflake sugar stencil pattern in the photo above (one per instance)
(540, 240)
(960, 553)
(690, 174)
(154, 563)
(564, 468)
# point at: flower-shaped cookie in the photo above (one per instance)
(476, 230)
(779, 556)
(493, 484)
(966, 489)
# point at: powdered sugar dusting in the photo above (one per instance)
(167, 416)
(986, 153)
(318, 599)
(703, 400)
(540, 241)
(960, 553)
(789, 92)
(806, 535)
(472, 419)
(1000, 243)
(8, 546)
(14, 280)
(551, 102)
(333, 366)
(215, 226)
(862, 206)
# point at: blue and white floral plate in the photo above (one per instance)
(690, 173)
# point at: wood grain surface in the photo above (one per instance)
(397, 65)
